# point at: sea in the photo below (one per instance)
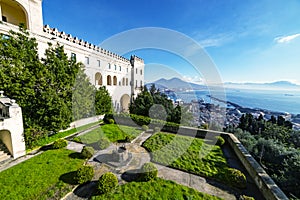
(274, 100)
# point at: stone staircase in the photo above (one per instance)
(4, 153)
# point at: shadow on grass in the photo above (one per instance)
(46, 147)
(69, 178)
(76, 155)
(131, 175)
(86, 190)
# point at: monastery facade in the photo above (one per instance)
(122, 77)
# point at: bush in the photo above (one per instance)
(236, 178)
(87, 152)
(111, 121)
(128, 138)
(107, 182)
(59, 144)
(220, 141)
(77, 139)
(84, 174)
(107, 117)
(244, 197)
(145, 127)
(103, 143)
(149, 172)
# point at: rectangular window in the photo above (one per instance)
(4, 18)
(136, 70)
(141, 71)
(73, 56)
(87, 60)
(127, 69)
(99, 63)
(136, 83)
(141, 83)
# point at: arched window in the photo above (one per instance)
(123, 81)
(115, 80)
(120, 68)
(98, 79)
(108, 66)
(126, 81)
(141, 84)
(108, 80)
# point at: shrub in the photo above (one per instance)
(103, 143)
(77, 139)
(107, 117)
(156, 129)
(84, 174)
(220, 141)
(145, 127)
(87, 152)
(128, 138)
(111, 121)
(244, 197)
(236, 178)
(59, 144)
(107, 182)
(149, 172)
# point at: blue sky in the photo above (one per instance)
(249, 41)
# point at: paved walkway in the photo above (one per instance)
(193, 181)
(139, 157)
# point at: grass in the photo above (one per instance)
(188, 154)
(113, 132)
(47, 140)
(157, 189)
(48, 175)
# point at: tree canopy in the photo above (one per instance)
(52, 91)
(156, 105)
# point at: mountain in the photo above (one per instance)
(272, 85)
(282, 84)
(176, 84)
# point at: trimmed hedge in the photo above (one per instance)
(236, 178)
(77, 139)
(59, 144)
(148, 172)
(107, 182)
(133, 120)
(84, 174)
(103, 143)
(87, 152)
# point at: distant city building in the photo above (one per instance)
(123, 77)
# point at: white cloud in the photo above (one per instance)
(212, 40)
(287, 39)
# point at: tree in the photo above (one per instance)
(146, 99)
(83, 97)
(103, 102)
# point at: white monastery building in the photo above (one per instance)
(122, 77)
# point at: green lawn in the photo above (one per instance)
(159, 189)
(188, 154)
(47, 140)
(48, 175)
(112, 131)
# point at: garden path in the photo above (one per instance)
(139, 157)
